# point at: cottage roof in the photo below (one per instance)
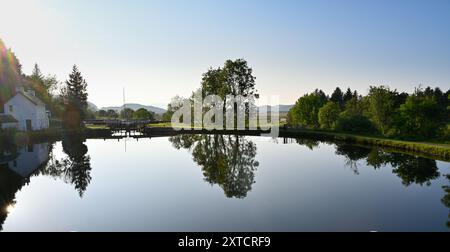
(33, 99)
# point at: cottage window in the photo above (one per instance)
(11, 109)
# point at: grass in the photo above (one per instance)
(94, 127)
(428, 149)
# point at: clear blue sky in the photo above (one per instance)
(157, 49)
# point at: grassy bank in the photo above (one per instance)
(425, 149)
(439, 151)
(434, 150)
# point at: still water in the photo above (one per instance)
(219, 183)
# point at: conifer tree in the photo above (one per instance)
(75, 99)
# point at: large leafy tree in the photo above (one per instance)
(382, 106)
(420, 116)
(75, 99)
(234, 78)
(306, 109)
(328, 115)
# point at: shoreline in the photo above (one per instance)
(425, 149)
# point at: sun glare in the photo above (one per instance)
(10, 208)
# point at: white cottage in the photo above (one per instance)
(27, 109)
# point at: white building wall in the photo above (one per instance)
(10, 125)
(24, 109)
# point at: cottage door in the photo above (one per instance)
(29, 126)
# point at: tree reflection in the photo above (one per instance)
(309, 143)
(446, 199)
(10, 184)
(411, 169)
(228, 161)
(76, 168)
(414, 170)
(352, 154)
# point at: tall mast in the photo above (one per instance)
(124, 104)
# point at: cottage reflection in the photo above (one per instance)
(17, 165)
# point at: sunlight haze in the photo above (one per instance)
(157, 49)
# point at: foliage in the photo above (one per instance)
(306, 109)
(75, 100)
(355, 124)
(419, 116)
(381, 106)
(126, 113)
(142, 113)
(337, 97)
(328, 115)
(422, 115)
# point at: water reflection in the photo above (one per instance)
(446, 199)
(410, 169)
(19, 164)
(74, 169)
(228, 161)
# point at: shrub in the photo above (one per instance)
(355, 124)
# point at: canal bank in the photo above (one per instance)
(425, 149)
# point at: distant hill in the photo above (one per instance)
(135, 106)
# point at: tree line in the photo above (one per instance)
(424, 114)
(127, 113)
(66, 101)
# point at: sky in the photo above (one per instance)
(159, 49)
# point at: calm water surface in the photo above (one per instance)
(219, 183)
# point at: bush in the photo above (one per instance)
(355, 124)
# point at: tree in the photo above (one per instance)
(239, 78)
(175, 104)
(214, 82)
(352, 119)
(337, 97)
(144, 114)
(126, 113)
(43, 85)
(382, 106)
(75, 99)
(420, 116)
(328, 115)
(306, 109)
(355, 124)
(347, 96)
(11, 75)
(102, 113)
(111, 113)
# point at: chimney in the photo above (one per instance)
(31, 92)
